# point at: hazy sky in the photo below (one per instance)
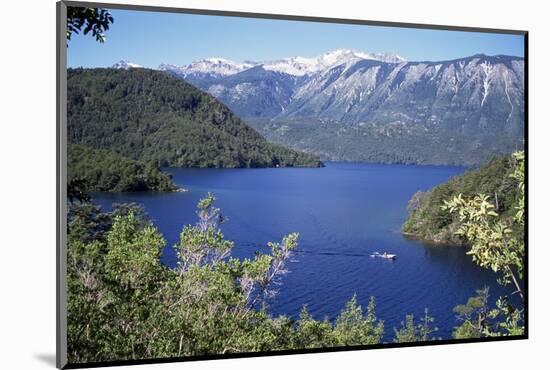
(151, 38)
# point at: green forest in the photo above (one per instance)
(150, 116)
(104, 170)
(373, 142)
(428, 221)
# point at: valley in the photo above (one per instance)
(360, 98)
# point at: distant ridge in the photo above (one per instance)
(124, 64)
(356, 106)
(295, 66)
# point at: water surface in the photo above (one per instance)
(343, 212)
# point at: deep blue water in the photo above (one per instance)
(343, 213)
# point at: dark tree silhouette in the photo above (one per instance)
(76, 190)
(94, 20)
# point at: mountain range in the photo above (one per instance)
(351, 105)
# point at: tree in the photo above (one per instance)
(94, 20)
(151, 117)
(493, 244)
(427, 219)
(411, 332)
(90, 169)
(474, 315)
(77, 190)
(478, 320)
(124, 304)
(496, 246)
(416, 201)
(352, 327)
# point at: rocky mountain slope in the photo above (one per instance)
(350, 105)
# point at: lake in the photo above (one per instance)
(343, 212)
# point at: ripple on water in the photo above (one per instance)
(343, 212)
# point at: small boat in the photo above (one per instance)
(384, 255)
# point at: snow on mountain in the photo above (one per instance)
(470, 98)
(209, 66)
(300, 66)
(124, 64)
(295, 66)
(351, 86)
(480, 93)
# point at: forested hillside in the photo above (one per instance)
(103, 170)
(427, 220)
(380, 143)
(150, 116)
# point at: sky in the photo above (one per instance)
(153, 38)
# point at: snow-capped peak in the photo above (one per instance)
(124, 64)
(300, 66)
(215, 66)
(384, 57)
(296, 66)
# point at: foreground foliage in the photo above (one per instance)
(124, 304)
(94, 20)
(411, 332)
(496, 246)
